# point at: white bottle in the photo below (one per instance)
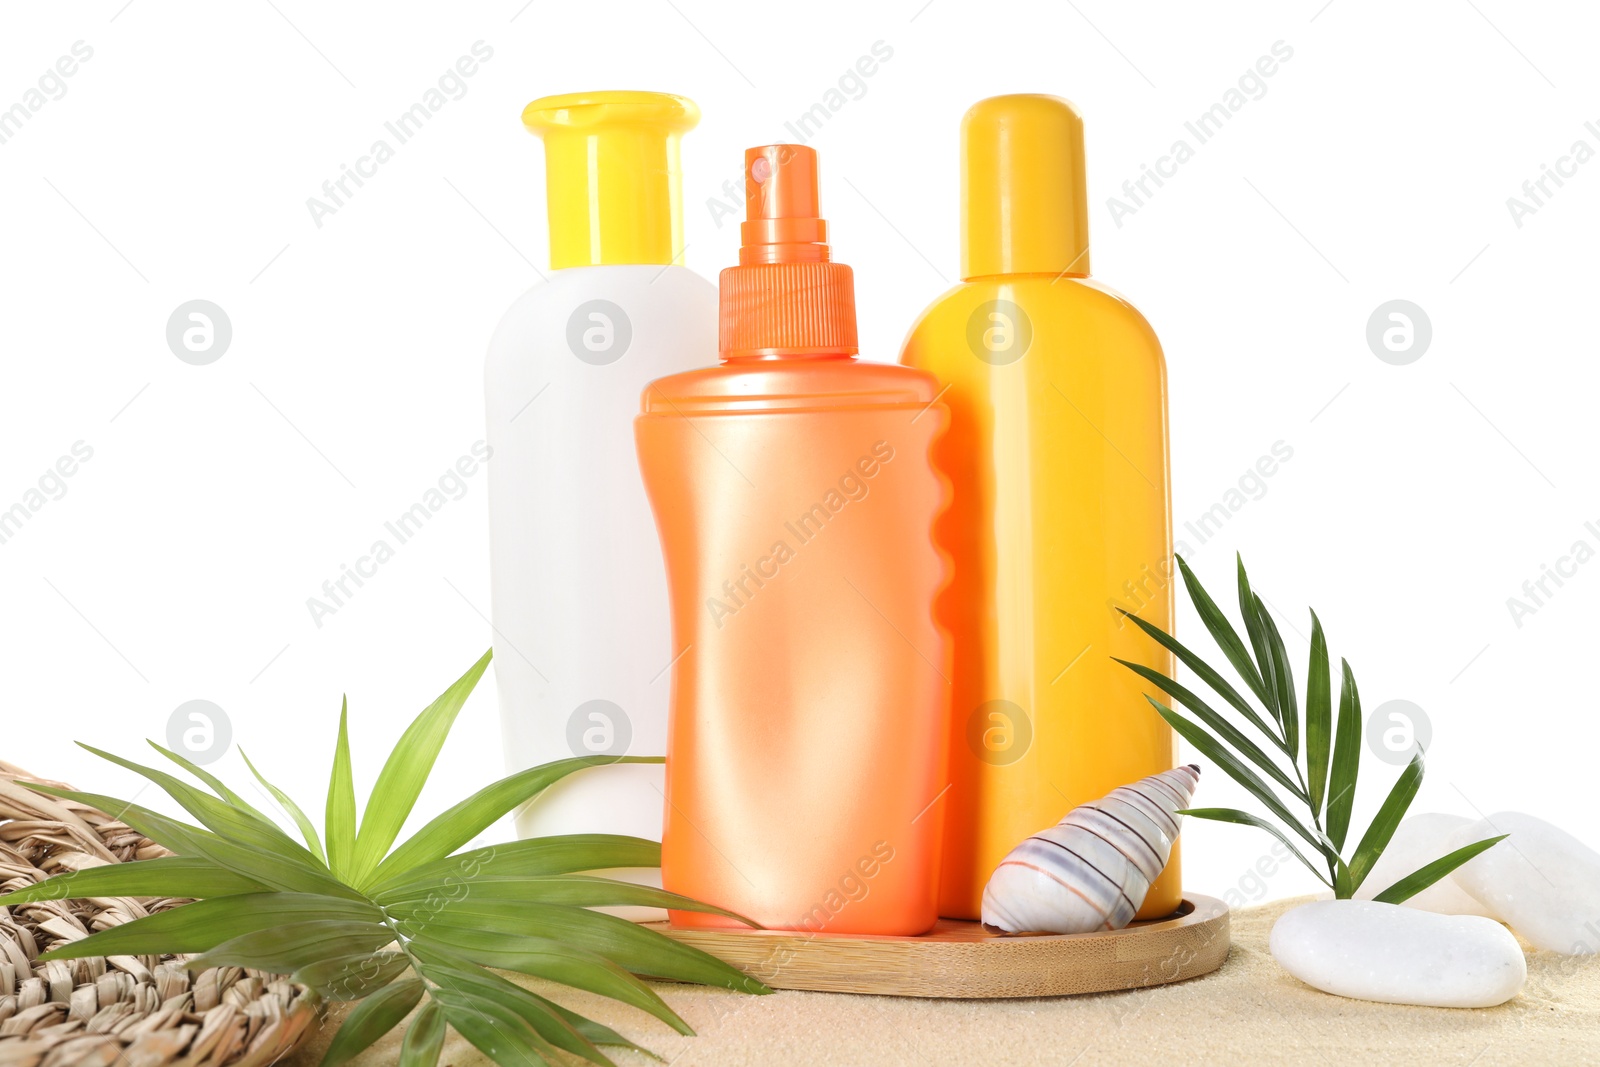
(582, 640)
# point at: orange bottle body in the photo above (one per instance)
(806, 751)
(795, 495)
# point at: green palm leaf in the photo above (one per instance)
(1283, 680)
(166, 876)
(400, 782)
(218, 786)
(1207, 674)
(563, 854)
(483, 926)
(460, 824)
(205, 924)
(241, 859)
(1235, 769)
(1423, 877)
(1255, 627)
(1244, 818)
(354, 976)
(1218, 725)
(1222, 631)
(392, 928)
(456, 975)
(1319, 717)
(597, 1033)
(1346, 758)
(1327, 788)
(372, 1018)
(307, 830)
(579, 890)
(1381, 830)
(287, 947)
(543, 957)
(496, 1031)
(424, 1038)
(340, 819)
(218, 816)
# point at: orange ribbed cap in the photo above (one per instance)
(786, 297)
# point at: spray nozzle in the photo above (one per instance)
(782, 219)
(786, 298)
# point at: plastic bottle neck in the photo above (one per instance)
(613, 176)
(1024, 206)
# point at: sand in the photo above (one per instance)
(1250, 1011)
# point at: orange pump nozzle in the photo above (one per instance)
(780, 193)
(786, 298)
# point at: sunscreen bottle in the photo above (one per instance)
(579, 596)
(1057, 452)
(795, 498)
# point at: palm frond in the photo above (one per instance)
(1320, 775)
(356, 917)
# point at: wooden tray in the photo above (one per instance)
(962, 959)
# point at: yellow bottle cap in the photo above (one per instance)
(613, 176)
(1024, 207)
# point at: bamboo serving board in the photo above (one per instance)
(962, 959)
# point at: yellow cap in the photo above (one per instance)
(613, 177)
(1024, 207)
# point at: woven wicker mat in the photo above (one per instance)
(137, 1011)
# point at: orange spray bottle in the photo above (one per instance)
(795, 498)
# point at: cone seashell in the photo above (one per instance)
(1091, 870)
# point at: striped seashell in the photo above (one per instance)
(1091, 870)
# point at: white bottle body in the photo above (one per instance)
(582, 640)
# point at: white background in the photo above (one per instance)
(1376, 166)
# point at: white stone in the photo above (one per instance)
(1397, 955)
(1417, 842)
(1541, 880)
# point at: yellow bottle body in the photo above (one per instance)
(1057, 451)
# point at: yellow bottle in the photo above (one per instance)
(1057, 451)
